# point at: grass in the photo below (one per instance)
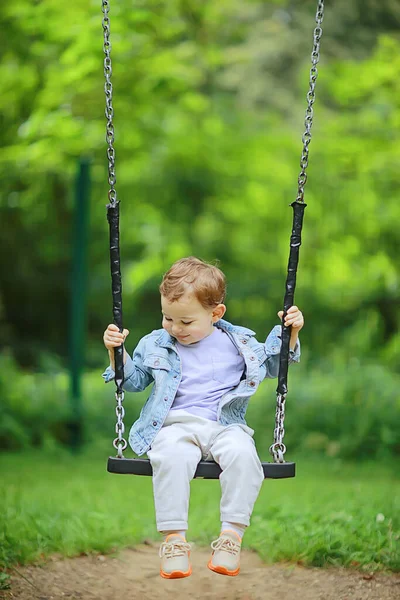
(331, 513)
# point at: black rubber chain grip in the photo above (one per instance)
(295, 243)
(116, 285)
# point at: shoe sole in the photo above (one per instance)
(176, 574)
(222, 570)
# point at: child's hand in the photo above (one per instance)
(294, 317)
(113, 337)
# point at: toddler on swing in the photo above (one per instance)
(204, 371)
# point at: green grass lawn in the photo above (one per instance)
(331, 513)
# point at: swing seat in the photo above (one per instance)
(205, 470)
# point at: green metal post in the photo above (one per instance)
(78, 298)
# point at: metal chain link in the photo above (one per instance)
(306, 139)
(120, 443)
(278, 448)
(109, 111)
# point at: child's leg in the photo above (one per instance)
(242, 474)
(241, 479)
(174, 457)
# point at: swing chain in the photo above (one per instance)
(120, 443)
(278, 448)
(306, 139)
(109, 111)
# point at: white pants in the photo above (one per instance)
(182, 442)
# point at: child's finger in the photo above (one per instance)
(292, 309)
(114, 337)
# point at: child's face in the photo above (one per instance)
(187, 320)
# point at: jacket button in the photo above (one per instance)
(244, 341)
(166, 398)
(156, 363)
(154, 423)
(252, 383)
(252, 358)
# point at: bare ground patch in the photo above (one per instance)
(134, 575)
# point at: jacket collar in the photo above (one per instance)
(167, 341)
(226, 326)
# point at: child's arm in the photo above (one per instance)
(136, 377)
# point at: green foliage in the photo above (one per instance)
(36, 410)
(209, 104)
(4, 581)
(342, 408)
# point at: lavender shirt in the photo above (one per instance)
(210, 368)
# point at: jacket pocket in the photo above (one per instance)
(156, 362)
(260, 353)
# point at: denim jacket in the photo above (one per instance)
(156, 360)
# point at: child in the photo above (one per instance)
(204, 371)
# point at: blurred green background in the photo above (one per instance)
(209, 112)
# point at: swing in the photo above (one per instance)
(279, 469)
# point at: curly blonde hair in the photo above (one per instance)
(204, 280)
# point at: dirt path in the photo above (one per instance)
(134, 575)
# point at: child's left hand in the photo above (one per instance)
(294, 317)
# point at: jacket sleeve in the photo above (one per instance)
(272, 348)
(136, 376)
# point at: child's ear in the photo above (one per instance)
(218, 312)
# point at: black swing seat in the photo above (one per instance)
(205, 469)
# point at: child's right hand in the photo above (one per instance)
(113, 337)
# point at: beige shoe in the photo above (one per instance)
(225, 558)
(174, 554)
